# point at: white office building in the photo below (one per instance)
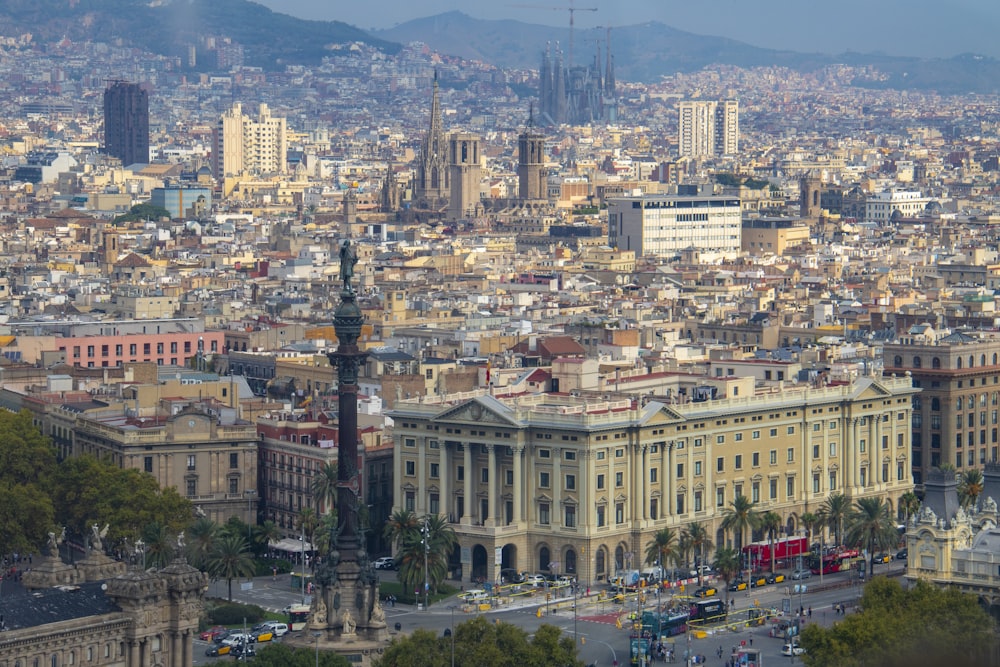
(882, 206)
(664, 225)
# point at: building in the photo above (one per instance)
(464, 160)
(956, 417)
(432, 188)
(769, 236)
(884, 207)
(531, 176)
(577, 94)
(664, 225)
(183, 201)
(249, 146)
(44, 167)
(126, 122)
(707, 128)
(582, 481)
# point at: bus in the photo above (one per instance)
(670, 622)
(298, 616)
(712, 610)
(834, 561)
(757, 556)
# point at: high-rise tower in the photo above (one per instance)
(126, 122)
(433, 179)
(707, 128)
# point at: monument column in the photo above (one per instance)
(519, 485)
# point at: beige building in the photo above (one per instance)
(772, 237)
(247, 145)
(551, 478)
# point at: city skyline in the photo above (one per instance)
(923, 28)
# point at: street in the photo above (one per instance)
(600, 642)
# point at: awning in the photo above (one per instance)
(291, 545)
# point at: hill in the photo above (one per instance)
(168, 27)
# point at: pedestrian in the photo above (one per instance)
(751, 641)
(810, 612)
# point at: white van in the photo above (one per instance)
(277, 628)
(475, 595)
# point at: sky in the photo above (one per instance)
(923, 28)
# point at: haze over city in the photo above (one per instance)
(921, 28)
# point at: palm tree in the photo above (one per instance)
(307, 522)
(400, 524)
(324, 486)
(697, 537)
(230, 560)
(870, 526)
(413, 553)
(727, 566)
(325, 530)
(771, 522)
(834, 512)
(810, 521)
(738, 517)
(662, 547)
(201, 537)
(909, 504)
(970, 487)
(266, 533)
(159, 545)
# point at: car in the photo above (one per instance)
(775, 578)
(759, 580)
(902, 554)
(535, 580)
(238, 638)
(738, 585)
(385, 563)
(511, 576)
(218, 649)
(278, 628)
(213, 632)
(706, 592)
(801, 574)
(882, 558)
(792, 649)
(474, 595)
(262, 635)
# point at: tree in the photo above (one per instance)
(909, 504)
(399, 524)
(662, 547)
(810, 522)
(281, 655)
(483, 644)
(27, 466)
(441, 540)
(324, 486)
(264, 534)
(727, 566)
(870, 526)
(900, 628)
(201, 538)
(771, 522)
(142, 212)
(697, 537)
(307, 522)
(834, 512)
(230, 560)
(970, 487)
(738, 517)
(159, 545)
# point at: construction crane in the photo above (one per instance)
(571, 9)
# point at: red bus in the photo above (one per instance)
(785, 549)
(835, 561)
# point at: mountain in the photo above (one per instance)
(167, 27)
(649, 51)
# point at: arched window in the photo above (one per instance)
(972, 361)
(619, 558)
(982, 360)
(600, 562)
(958, 362)
(994, 358)
(570, 567)
(982, 400)
(544, 558)
(970, 402)
(897, 361)
(916, 362)
(936, 404)
(935, 362)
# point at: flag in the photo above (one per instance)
(488, 367)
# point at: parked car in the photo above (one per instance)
(882, 558)
(238, 638)
(277, 627)
(758, 580)
(775, 578)
(218, 649)
(706, 592)
(385, 563)
(801, 574)
(511, 576)
(902, 554)
(738, 585)
(474, 595)
(792, 649)
(535, 580)
(262, 633)
(212, 633)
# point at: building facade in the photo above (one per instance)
(956, 416)
(555, 479)
(247, 145)
(708, 128)
(126, 122)
(664, 225)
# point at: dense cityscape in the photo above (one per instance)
(734, 332)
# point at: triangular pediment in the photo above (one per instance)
(479, 410)
(655, 413)
(869, 388)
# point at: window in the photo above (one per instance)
(833, 481)
(234, 460)
(600, 455)
(815, 451)
(755, 459)
(509, 477)
(680, 503)
(833, 449)
(460, 473)
(543, 480)
(618, 480)
(816, 482)
(774, 456)
(720, 496)
(790, 487)
(861, 445)
(738, 463)
(738, 437)
(570, 482)
(790, 430)
(697, 468)
(147, 464)
(885, 468)
(899, 471)
(600, 481)
(720, 464)
(738, 490)
(411, 468)
(619, 453)
(544, 454)
(864, 475)
(543, 513)
(755, 435)
(653, 475)
(569, 455)
(601, 519)
(817, 426)
(755, 492)
(570, 515)
(234, 485)
(654, 508)
(435, 504)
(191, 461)
(619, 513)
(697, 501)
(772, 489)
(435, 469)
(719, 440)
(411, 500)
(192, 487)
(791, 454)
(773, 433)
(484, 475)
(680, 470)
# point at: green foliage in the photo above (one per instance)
(771, 523)
(697, 537)
(898, 628)
(870, 526)
(233, 613)
(405, 594)
(412, 554)
(480, 643)
(835, 511)
(970, 486)
(263, 568)
(663, 547)
(230, 559)
(324, 485)
(727, 565)
(740, 516)
(732, 180)
(281, 655)
(142, 212)
(27, 465)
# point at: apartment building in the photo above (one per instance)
(560, 479)
(664, 225)
(248, 145)
(708, 128)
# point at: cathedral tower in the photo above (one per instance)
(433, 180)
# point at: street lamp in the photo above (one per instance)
(317, 634)
(426, 531)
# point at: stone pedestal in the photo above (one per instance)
(49, 571)
(97, 567)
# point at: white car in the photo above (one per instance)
(385, 563)
(277, 628)
(534, 580)
(792, 649)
